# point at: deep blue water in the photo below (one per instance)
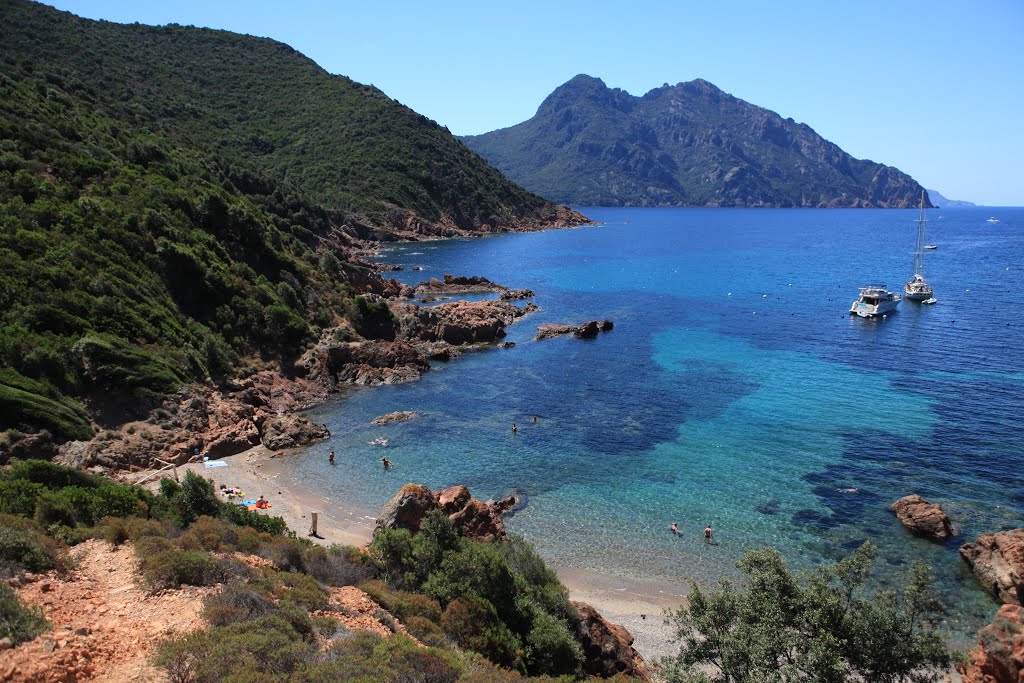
(734, 389)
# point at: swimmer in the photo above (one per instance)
(514, 428)
(675, 528)
(330, 458)
(534, 419)
(387, 463)
(849, 490)
(708, 534)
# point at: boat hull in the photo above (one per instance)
(918, 296)
(864, 310)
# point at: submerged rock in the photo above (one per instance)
(923, 518)
(997, 561)
(607, 647)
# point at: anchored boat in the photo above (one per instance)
(875, 300)
(917, 289)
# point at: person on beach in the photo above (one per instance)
(387, 463)
(675, 528)
(330, 458)
(708, 534)
(514, 428)
(262, 503)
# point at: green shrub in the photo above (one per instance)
(18, 497)
(551, 649)
(52, 475)
(300, 589)
(336, 566)
(117, 530)
(287, 554)
(196, 498)
(172, 568)
(242, 516)
(209, 533)
(235, 603)
(474, 625)
(24, 547)
(169, 487)
(401, 604)
(426, 631)
(17, 622)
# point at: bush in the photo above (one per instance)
(51, 475)
(235, 603)
(236, 514)
(209, 533)
(551, 649)
(18, 497)
(286, 553)
(196, 498)
(474, 625)
(17, 622)
(401, 604)
(300, 589)
(335, 566)
(820, 625)
(117, 530)
(426, 631)
(172, 568)
(24, 547)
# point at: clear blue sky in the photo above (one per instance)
(935, 88)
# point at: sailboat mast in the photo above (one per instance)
(919, 245)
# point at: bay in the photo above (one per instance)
(735, 389)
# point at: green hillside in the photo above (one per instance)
(174, 199)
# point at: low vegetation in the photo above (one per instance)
(823, 626)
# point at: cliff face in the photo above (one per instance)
(685, 145)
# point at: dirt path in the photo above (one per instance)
(104, 626)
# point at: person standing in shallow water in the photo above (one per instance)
(514, 428)
(330, 458)
(708, 533)
(675, 528)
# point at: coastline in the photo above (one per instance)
(635, 604)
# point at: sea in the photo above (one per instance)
(735, 389)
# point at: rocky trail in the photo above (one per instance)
(104, 625)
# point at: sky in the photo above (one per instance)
(934, 88)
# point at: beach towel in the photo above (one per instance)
(214, 463)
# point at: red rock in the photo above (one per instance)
(999, 656)
(478, 522)
(453, 499)
(607, 648)
(407, 508)
(997, 561)
(923, 518)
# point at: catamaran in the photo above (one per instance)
(917, 289)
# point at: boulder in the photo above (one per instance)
(397, 416)
(999, 656)
(512, 294)
(290, 431)
(476, 521)
(587, 330)
(923, 518)
(548, 330)
(605, 326)
(453, 499)
(407, 508)
(232, 440)
(997, 561)
(454, 284)
(607, 648)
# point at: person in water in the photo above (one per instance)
(514, 428)
(708, 533)
(330, 458)
(534, 419)
(387, 463)
(675, 528)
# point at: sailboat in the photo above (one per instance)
(917, 289)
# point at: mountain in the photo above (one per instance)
(176, 203)
(938, 200)
(685, 145)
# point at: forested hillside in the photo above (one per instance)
(174, 199)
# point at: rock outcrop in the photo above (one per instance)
(397, 416)
(997, 561)
(291, 431)
(999, 656)
(587, 330)
(607, 647)
(457, 322)
(513, 294)
(476, 520)
(459, 284)
(923, 518)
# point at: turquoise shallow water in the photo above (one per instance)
(734, 389)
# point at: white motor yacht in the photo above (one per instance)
(875, 300)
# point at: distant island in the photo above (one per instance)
(690, 144)
(938, 200)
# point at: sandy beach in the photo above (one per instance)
(637, 605)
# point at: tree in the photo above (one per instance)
(823, 625)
